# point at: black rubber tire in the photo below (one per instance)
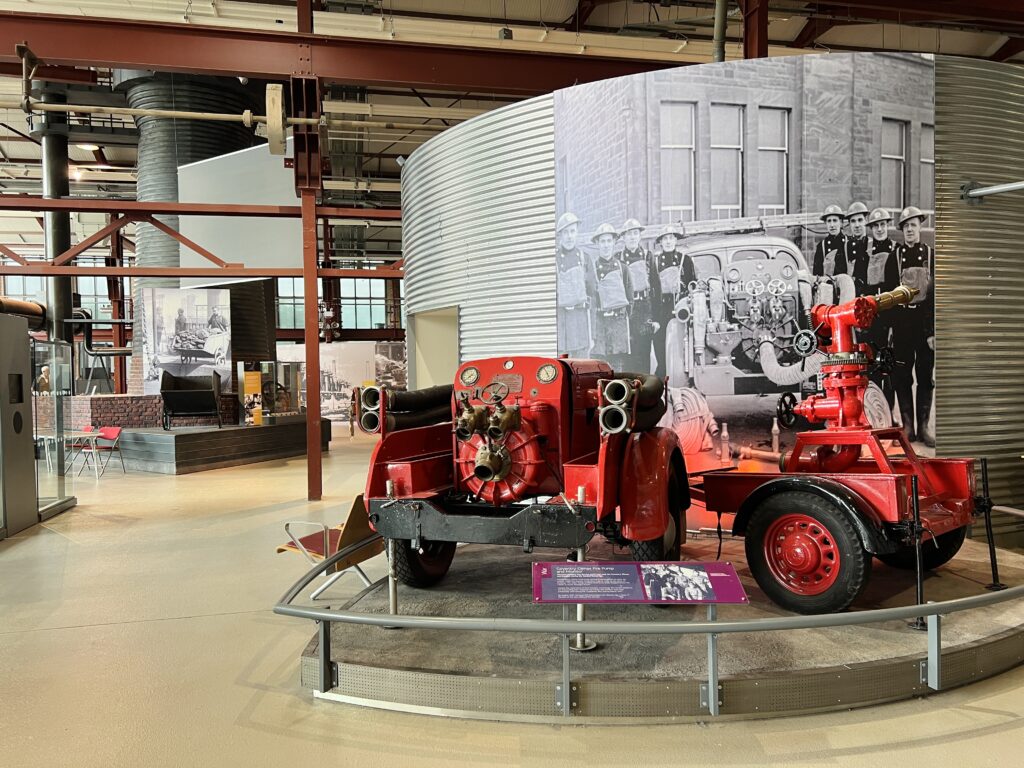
(854, 561)
(423, 570)
(666, 547)
(934, 552)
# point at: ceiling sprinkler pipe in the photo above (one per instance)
(718, 44)
(613, 419)
(369, 397)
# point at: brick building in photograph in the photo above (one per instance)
(748, 139)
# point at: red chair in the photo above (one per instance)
(111, 438)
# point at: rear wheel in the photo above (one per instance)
(423, 567)
(805, 554)
(935, 552)
(666, 546)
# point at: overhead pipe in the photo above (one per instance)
(32, 311)
(718, 43)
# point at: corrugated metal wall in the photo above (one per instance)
(979, 114)
(478, 222)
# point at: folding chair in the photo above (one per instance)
(112, 436)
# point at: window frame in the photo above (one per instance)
(718, 208)
(784, 150)
(681, 210)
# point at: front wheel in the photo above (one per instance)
(667, 546)
(423, 567)
(805, 554)
(935, 552)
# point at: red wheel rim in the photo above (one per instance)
(802, 554)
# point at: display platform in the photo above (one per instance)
(497, 675)
(183, 450)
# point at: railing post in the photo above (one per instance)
(563, 691)
(709, 692)
(326, 665)
(935, 651)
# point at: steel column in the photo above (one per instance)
(57, 224)
(115, 292)
(310, 257)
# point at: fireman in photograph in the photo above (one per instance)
(830, 253)
(610, 301)
(572, 289)
(877, 274)
(675, 274)
(643, 278)
(857, 241)
(913, 329)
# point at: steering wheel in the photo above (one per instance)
(786, 410)
(754, 287)
(494, 392)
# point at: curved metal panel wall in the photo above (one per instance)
(979, 113)
(478, 213)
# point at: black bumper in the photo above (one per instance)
(529, 526)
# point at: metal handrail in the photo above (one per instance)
(710, 700)
(589, 626)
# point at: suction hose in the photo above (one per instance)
(787, 375)
(651, 391)
(420, 399)
(413, 419)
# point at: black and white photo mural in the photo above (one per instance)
(702, 211)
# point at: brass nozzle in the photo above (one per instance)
(904, 294)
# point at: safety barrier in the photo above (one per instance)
(930, 667)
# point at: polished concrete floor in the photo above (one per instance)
(136, 630)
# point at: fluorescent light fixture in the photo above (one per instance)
(88, 147)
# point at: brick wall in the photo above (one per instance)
(126, 411)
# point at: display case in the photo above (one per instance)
(51, 419)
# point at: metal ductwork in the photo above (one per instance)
(165, 144)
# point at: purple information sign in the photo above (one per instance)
(594, 582)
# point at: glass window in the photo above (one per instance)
(927, 167)
(894, 164)
(677, 125)
(773, 161)
(726, 161)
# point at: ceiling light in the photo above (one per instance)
(504, 33)
(77, 174)
(88, 147)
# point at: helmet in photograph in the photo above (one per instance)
(833, 210)
(630, 224)
(670, 229)
(604, 229)
(911, 212)
(878, 216)
(856, 208)
(566, 220)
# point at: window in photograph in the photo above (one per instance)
(894, 165)
(677, 120)
(927, 168)
(726, 161)
(773, 161)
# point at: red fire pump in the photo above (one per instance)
(841, 498)
(525, 451)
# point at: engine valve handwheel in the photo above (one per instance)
(494, 392)
(754, 287)
(801, 554)
(805, 343)
(776, 287)
(885, 360)
(786, 410)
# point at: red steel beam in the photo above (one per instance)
(12, 255)
(1009, 49)
(91, 205)
(192, 246)
(755, 28)
(116, 223)
(311, 310)
(52, 74)
(93, 42)
(44, 269)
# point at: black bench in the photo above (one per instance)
(190, 396)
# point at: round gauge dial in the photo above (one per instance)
(508, 365)
(787, 271)
(469, 376)
(734, 274)
(547, 373)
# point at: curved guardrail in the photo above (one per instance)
(565, 627)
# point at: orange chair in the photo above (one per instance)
(111, 437)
